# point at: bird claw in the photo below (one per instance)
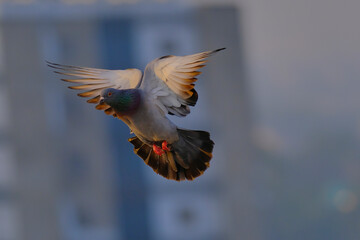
(158, 150)
(164, 146)
(161, 150)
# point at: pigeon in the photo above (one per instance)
(143, 100)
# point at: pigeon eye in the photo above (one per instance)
(109, 94)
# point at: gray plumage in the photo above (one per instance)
(142, 102)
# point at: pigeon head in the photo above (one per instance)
(122, 101)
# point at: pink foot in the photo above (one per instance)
(164, 146)
(158, 150)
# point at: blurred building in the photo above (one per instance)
(69, 172)
(286, 131)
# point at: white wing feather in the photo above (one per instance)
(170, 80)
(92, 81)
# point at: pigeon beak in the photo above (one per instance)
(101, 100)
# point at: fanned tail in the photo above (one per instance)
(188, 157)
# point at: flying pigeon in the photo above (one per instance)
(142, 100)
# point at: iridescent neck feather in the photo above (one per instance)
(125, 102)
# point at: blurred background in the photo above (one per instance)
(281, 103)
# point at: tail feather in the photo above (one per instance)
(188, 158)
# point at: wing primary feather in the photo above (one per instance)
(94, 100)
(193, 99)
(72, 70)
(196, 63)
(218, 50)
(166, 56)
(89, 86)
(182, 80)
(109, 111)
(57, 65)
(192, 74)
(91, 93)
(75, 74)
(181, 89)
(102, 106)
(85, 80)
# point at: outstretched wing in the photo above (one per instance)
(170, 79)
(92, 81)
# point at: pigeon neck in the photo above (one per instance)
(127, 101)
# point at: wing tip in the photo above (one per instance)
(218, 50)
(52, 64)
(166, 56)
(94, 100)
(48, 63)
